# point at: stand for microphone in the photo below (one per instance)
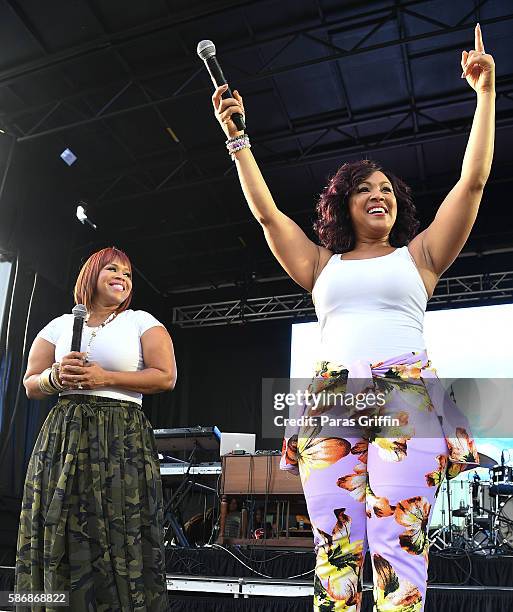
(437, 539)
(449, 511)
(444, 524)
(172, 512)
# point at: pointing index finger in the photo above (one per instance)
(478, 38)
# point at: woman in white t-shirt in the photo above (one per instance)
(92, 514)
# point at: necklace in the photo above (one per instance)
(95, 331)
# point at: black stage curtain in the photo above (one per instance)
(32, 303)
(212, 562)
(461, 569)
(225, 604)
(220, 371)
(436, 600)
(6, 579)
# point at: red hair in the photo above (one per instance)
(85, 287)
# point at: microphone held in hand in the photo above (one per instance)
(79, 314)
(207, 52)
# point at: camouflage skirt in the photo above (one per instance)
(92, 513)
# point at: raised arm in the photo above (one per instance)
(297, 254)
(443, 240)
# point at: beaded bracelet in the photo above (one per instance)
(235, 138)
(237, 143)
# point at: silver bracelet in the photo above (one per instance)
(235, 138)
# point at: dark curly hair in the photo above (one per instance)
(334, 227)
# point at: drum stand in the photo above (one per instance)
(495, 520)
(449, 512)
(438, 538)
(487, 530)
(492, 537)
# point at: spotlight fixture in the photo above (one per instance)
(82, 216)
(68, 157)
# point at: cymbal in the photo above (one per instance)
(485, 461)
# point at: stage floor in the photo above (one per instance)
(222, 579)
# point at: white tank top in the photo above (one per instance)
(370, 309)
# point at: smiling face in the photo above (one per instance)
(114, 284)
(373, 207)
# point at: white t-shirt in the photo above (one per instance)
(116, 347)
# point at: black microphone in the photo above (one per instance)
(79, 314)
(207, 52)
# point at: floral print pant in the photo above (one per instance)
(370, 492)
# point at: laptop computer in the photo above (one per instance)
(237, 442)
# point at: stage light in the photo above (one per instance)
(68, 157)
(172, 134)
(82, 216)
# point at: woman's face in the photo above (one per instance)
(114, 284)
(373, 207)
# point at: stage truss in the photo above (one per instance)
(457, 290)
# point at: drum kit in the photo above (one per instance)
(483, 522)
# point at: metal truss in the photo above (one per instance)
(373, 21)
(395, 138)
(457, 290)
(188, 171)
(110, 41)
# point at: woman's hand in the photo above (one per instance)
(224, 109)
(478, 66)
(71, 360)
(78, 374)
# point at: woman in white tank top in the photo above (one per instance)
(370, 478)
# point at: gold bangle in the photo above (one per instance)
(44, 383)
(54, 377)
